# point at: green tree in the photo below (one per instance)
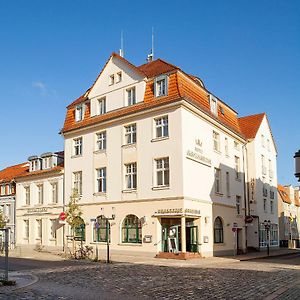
(2, 223)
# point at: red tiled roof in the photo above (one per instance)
(250, 124)
(10, 173)
(58, 168)
(283, 194)
(157, 67)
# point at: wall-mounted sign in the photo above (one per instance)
(147, 239)
(197, 154)
(37, 210)
(181, 211)
(252, 188)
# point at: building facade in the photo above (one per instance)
(261, 174)
(39, 202)
(289, 216)
(8, 197)
(153, 150)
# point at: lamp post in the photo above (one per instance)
(297, 164)
(267, 228)
(107, 225)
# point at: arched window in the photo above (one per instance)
(131, 230)
(218, 231)
(101, 230)
(79, 229)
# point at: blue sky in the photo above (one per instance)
(247, 53)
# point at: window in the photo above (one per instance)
(268, 145)
(39, 229)
(213, 105)
(101, 140)
(218, 231)
(238, 204)
(263, 240)
(270, 169)
(131, 96)
(216, 137)
(54, 192)
(272, 206)
(130, 134)
(265, 190)
(40, 194)
(35, 165)
(77, 146)
(27, 195)
(77, 183)
(263, 166)
(226, 147)
(101, 106)
(130, 176)
(26, 229)
(227, 184)
(111, 79)
(162, 172)
(79, 113)
(237, 167)
(47, 162)
(79, 230)
(119, 77)
(272, 193)
(132, 230)
(161, 86)
(217, 180)
(262, 141)
(162, 127)
(236, 145)
(2, 189)
(265, 205)
(101, 230)
(101, 180)
(53, 229)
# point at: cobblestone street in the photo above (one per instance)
(261, 279)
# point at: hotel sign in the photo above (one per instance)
(37, 210)
(196, 154)
(175, 211)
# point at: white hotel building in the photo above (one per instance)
(152, 147)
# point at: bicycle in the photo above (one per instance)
(84, 252)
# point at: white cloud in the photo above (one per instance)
(40, 86)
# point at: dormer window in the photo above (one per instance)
(161, 86)
(131, 96)
(101, 106)
(119, 77)
(35, 165)
(79, 113)
(213, 105)
(46, 162)
(111, 79)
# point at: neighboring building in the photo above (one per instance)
(39, 203)
(289, 216)
(261, 181)
(8, 197)
(152, 147)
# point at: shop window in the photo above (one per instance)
(101, 230)
(132, 230)
(79, 229)
(218, 231)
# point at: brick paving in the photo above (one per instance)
(242, 280)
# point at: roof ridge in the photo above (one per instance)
(254, 115)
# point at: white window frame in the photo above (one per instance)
(27, 195)
(131, 176)
(263, 141)
(79, 112)
(218, 181)
(40, 188)
(54, 192)
(227, 184)
(47, 162)
(111, 79)
(272, 206)
(53, 234)
(265, 205)
(161, 127)
(263, 165)
(213, 104)
(238, 204)
(39, 229)
(162, 166)
(161, 86)
(130, 96)
(226, 146)
(119, 77)
(101, 180)
(26, 229)
(130, 134)
(237, 167)
(101, 106)
(216, 141)
(77, 182)
(101, 141)
(77, 146)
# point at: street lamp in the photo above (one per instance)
(107, 225)
(297, 164)
(267, 228)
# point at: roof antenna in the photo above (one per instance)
(121, 51)
(150, 56)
